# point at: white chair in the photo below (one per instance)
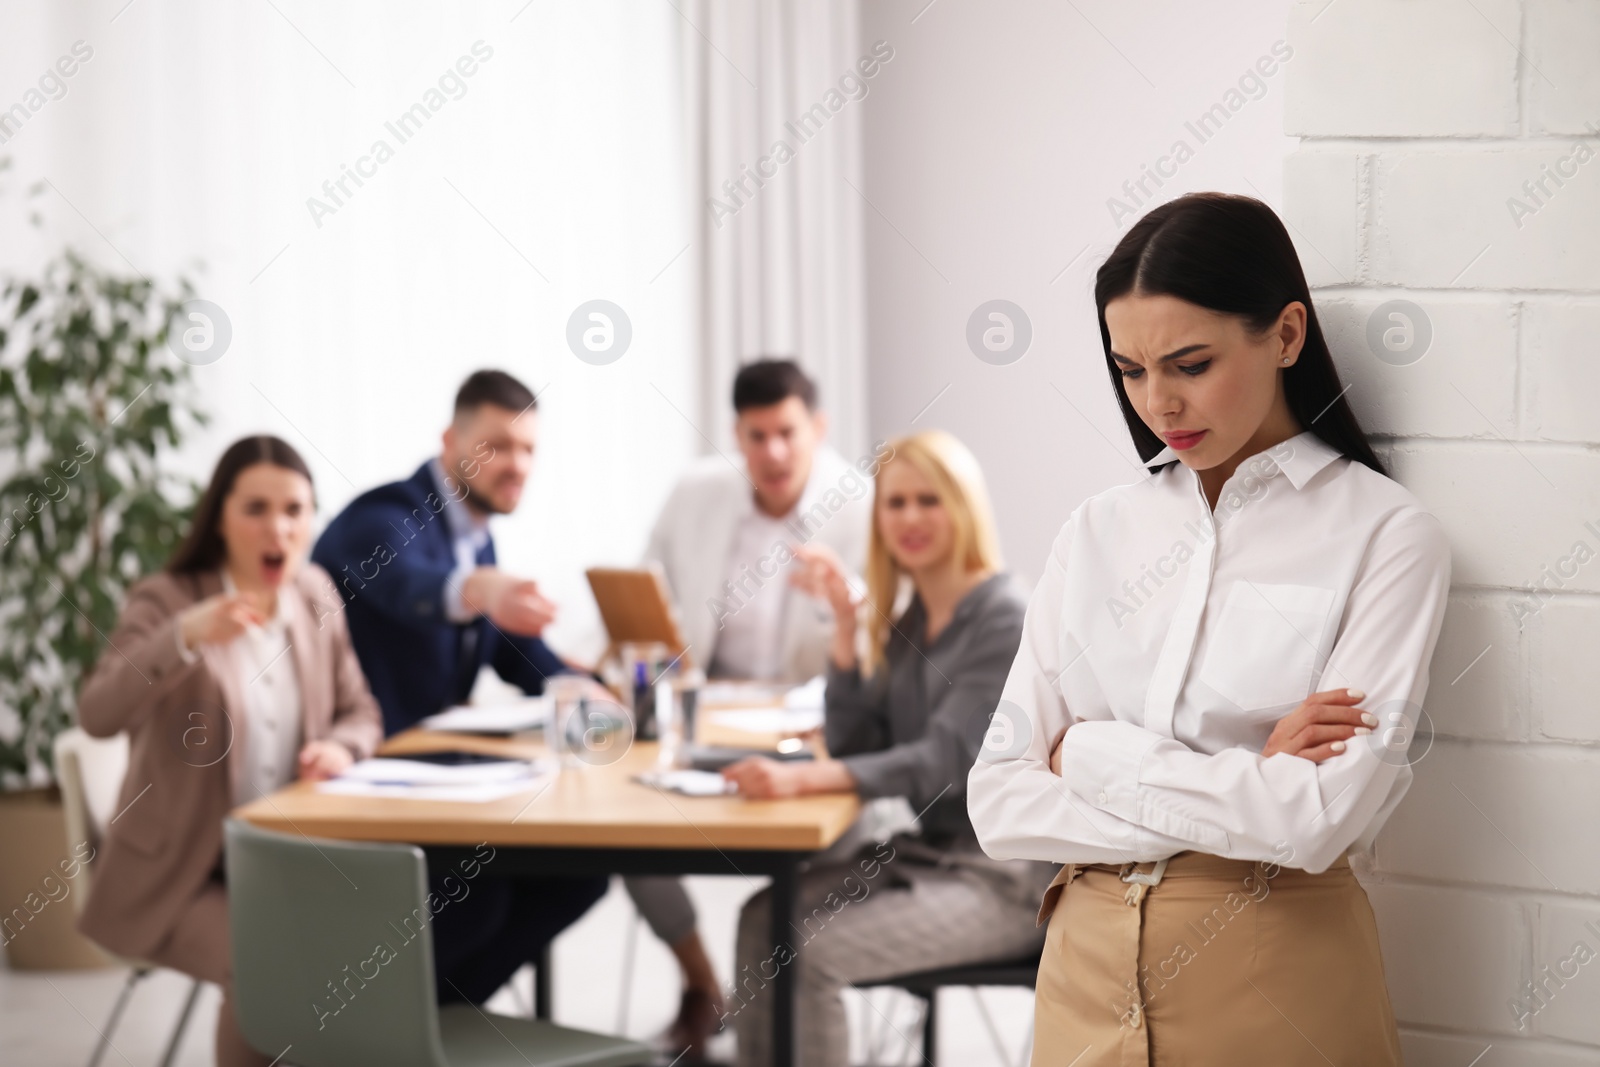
(90, 773)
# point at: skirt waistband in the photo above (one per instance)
(1189, 865)
(1205, 865)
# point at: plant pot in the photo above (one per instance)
(38, 909)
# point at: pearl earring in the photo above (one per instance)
(1285, 361)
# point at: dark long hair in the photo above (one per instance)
(1230, 254)
(203, 548)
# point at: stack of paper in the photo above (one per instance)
(732, 692)
(768, 720)
(689, 782)
(508, 718)
(419, 780)
(809, 695)
(754, 708)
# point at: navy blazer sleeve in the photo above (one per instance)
(382, 548)
(391, 554)
(525, 662)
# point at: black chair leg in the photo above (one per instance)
(543, 983)
(930, 1030)
(181, 1025)
(116, 1014)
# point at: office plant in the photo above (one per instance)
(91, 404)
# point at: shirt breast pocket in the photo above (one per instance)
(1264, 645)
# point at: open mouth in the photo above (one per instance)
(272, 566)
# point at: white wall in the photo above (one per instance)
(1420, 124)
(994, 141)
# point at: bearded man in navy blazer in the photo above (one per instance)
(426, 603)
(427, 608)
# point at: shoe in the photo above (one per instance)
(699, 1016)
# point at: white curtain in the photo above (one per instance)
(575, 162)
(551, 175)
(779, 256)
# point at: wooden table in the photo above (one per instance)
(589, 820)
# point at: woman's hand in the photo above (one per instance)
(823, 574)
(760, 778)
(1319, 727)
(324, 759)
(217, 620)
(1055, 749)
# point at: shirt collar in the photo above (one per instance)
(1299, 458)
(462, 522)
(279, 620)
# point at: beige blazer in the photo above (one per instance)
(186, 726)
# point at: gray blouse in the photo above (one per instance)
(916, 726)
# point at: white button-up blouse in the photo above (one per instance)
(1174, 639)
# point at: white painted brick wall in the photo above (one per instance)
(1566, 972)
(1464, 387)
(1564, 669)
(1492, 814)
(1450, 157)
(1561, 365)
(1421, 927)
(1424, 1049)
(1479, 686)
(1377, 68)
(1448, 219)
(1561, 39)
(1325, 234)
(1515, 508)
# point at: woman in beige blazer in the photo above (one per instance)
(233, 674)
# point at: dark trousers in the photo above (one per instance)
(481, 938)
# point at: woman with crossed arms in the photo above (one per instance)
(1218, 673)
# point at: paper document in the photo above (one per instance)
(809, 695)
(731, 692)
(384, 770)
(471, 793)
(507, 718)
(420, 780)
(689, 783)
(768, 720)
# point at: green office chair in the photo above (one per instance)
(333, 965)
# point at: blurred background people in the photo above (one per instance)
(726, 536)
(908, 702)
(429, 608)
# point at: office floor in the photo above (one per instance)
(50, 1019)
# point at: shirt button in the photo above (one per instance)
(1102, 797)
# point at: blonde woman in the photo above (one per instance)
(1220, 668)
(906, 716)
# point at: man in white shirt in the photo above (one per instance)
(727, 534)
(726, 539)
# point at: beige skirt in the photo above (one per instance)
(1224, 962)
